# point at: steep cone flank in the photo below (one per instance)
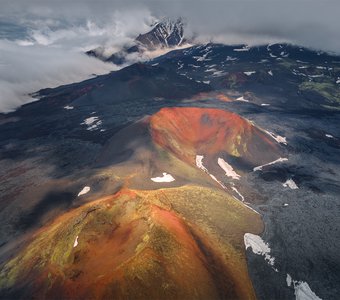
(190, 131)
(132, 245)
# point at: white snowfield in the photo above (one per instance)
(228, 169)
(84, 191)
(291, 184)
(75, 244)
(302, 289)
(278, 138)
(165, 178)
(259, 247)
(259, 168)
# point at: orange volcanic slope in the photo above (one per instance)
(191, 131)
(132, 245)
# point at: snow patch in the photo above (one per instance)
(230, 58)
(291, 184)
(329, 136)
(278, 138)
(245, 48)
(303, 291)
(242, 99)
(289, 280)
(199, 163)
(68, 107)
(92, 123)
(238, 193)
(270, 73)
(75, 244)
(249, 73)
(265, 104)
(165, 178)
(259, 247)
(84, 191)
(228, 169)
(259, 168)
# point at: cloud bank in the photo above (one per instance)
(42, 42)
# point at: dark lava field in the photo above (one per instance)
(257, 127)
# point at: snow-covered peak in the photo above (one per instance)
(165, 33)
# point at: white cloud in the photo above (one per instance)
(27, 69)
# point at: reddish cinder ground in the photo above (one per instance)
(191, 131)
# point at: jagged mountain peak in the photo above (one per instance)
(165, 33)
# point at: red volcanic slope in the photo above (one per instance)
(191, 131)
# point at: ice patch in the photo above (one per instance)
(84, 191)
(75, 244)
(242, 99)
(68, 107)
(291, 184)
(278, 138)
(259, 247)
(249, 73)
(228, 169)
(259, 168)
(165, 178)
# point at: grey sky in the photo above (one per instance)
(312, 23)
